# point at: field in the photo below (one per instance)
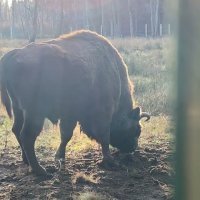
(147, 174)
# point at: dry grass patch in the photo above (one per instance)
(82, 178)
(157, 131)
(89, 196)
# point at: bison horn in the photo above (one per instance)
(144, 114)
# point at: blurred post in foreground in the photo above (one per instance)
(188, 102)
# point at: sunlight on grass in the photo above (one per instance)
(151, 64)
(150, 69)
(89, 196)
(50, 138)
(157, 131)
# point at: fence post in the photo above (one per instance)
(161, 30)
(169, 29)
(146, 30)
(11, 32)
(101, 29)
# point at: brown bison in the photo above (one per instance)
(79, 77)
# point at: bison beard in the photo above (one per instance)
(78, 77)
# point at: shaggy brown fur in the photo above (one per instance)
(77, 77)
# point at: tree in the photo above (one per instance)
(12, 27)
(61, 16)
(35, 23)
(154, 8)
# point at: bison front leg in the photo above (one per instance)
(31, 129)
(104, 140)
(66, 132)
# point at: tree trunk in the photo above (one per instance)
(60, 23)
(12, 27)
(156, 17)
(152, 21)
(130, 19)
(86, 15)
(102, 18)
(35, 23)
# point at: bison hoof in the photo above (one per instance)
(51, 169)
(108, 164)
(60, 155)
(24, 159)
(40, 171)
(60, 163)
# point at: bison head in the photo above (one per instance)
(125, 137)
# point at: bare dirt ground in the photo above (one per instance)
(148, 174)
(144, 175)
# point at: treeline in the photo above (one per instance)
(113, 18)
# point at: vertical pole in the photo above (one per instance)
(111, 29)
(86, 14)
(169, 29)
(12, 27)
(161, 30)
(101, 29)
(130, 19)
(146, 30)
(102, 17)
(188, 102)
(11, 32)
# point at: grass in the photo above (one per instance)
(159, 130)
(151, 65)
(151, 71)
(81, 177)
(89, 196)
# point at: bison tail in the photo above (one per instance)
(5, 99)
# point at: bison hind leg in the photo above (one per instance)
(17, 127)
(31, 129)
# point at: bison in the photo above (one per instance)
(79, 77)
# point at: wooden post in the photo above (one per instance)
(11, 32)
(146, 30)
(101, 29)
(169, 29)
(188, 102)
(111, 29)
(161, 30)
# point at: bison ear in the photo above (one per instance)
(135, 113)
